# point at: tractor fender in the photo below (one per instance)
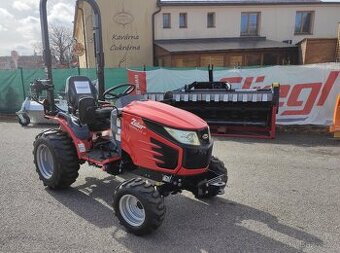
(80, 135)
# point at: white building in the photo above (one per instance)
(280, 20)
(223, 33)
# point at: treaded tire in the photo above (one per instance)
(151, 200)
(65, 167)
(26, 120)
(216, 168)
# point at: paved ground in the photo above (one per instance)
(283, 196)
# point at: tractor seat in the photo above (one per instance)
(82, 100)
(97, 118)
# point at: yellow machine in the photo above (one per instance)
(335, 127)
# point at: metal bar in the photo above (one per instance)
(22, 81)
(99, 52)
(211, 74)
(47, 55)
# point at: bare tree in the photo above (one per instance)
(37, 47)
(61, 44)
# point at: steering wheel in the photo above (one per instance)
(110, 94)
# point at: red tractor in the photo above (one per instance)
(168, 148)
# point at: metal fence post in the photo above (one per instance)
(22, 81)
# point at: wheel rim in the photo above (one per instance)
(45, 161)
(132, 210)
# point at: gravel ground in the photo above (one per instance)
(283, 196)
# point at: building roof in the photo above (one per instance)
(316, 39)
(220, 44)
(242, 2)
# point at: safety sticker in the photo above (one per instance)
(82, 87)
(81, 147)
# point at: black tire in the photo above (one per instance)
(24, 120)
(60, 149)
(216, 168)
(149, 200)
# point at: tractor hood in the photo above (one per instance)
(165, 115)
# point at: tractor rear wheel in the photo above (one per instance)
(216, 168)
(56, 159)
(139, 206)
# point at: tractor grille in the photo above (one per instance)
(168, 157)
(196, 158)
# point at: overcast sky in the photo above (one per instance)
(20, 24)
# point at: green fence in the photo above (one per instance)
(14, 84)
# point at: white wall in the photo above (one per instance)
(276, 22)
(127, 32)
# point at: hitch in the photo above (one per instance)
(215, 184)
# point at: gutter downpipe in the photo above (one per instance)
(153, 31)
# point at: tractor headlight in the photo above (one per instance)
(185, 137)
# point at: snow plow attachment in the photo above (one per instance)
(335, 127)
(229, 112)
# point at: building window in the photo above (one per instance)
(166, 20)
(183, 20)
(250, 23)
(303, 22)
(211, 19)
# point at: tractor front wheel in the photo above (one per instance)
(56, 159)
(138, 206)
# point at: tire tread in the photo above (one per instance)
(65, 155)
(155, 204)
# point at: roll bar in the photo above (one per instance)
(98, 42)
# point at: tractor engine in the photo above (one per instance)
(162, 138)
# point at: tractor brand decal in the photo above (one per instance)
(137, 125)
(307, 93)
